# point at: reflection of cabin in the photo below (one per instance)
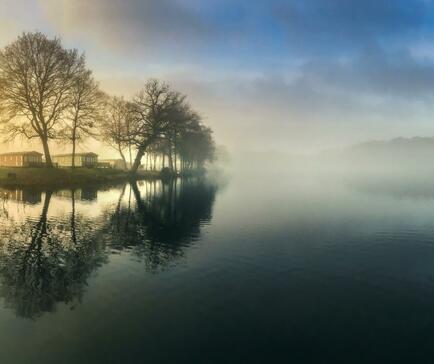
(81, 160)
(112, 163)
(23, 195)
(89, 194)
(83, 194)
(21, 159)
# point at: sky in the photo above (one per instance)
(296, 75)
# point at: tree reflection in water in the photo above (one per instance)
(49, 259)
(43, 262)
(158, 222)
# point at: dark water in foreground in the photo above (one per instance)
(259, 270)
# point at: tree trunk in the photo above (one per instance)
(170, 160)
(73, 151)
(48, 161)
(140, 152)
(124, 160)
(138, 160)
(131, 156)
(73, 226)
(175, 148)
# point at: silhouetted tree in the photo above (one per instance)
(196, 146)
(36, 78)
(84, 112)
(151, 111)
(163, 124)
(115, 126)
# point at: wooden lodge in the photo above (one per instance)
(81, 160)
(21, 159)
(113, 163)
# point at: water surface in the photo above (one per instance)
(260, 269)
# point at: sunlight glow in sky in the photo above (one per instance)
(295, 75)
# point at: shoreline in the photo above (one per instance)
(41, 177)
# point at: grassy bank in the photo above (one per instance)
(64, 177)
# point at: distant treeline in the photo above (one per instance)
(48, 93)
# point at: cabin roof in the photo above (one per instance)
(89, 154)
(22, 153)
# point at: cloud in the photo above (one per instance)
(341, 25)
(250, 30)
(293, 73)
(320, 105)
(132, 24)
(375, 71)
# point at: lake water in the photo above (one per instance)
(320, 269)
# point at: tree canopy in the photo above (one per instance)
(37, 76)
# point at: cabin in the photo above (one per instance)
(89, 160)
(113, 163)
(21, 159)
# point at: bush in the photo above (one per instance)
(167, 173)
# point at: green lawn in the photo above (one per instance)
(59, 176)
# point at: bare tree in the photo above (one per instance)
(114, 127)
(84, 112)
(151, 113)
(181, 117)
(36, 77)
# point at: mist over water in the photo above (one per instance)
(305, 254)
